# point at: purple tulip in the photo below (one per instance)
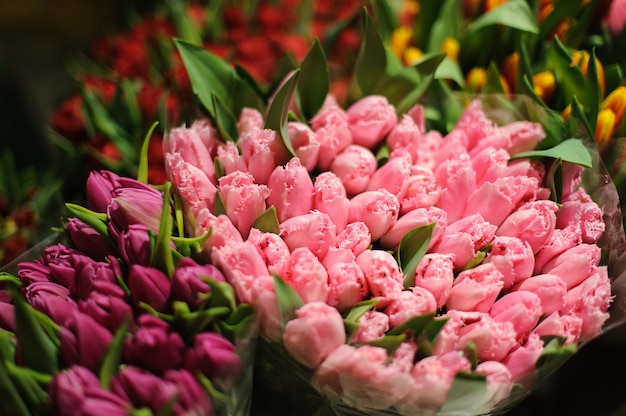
(51, 299)
(77, 391)
(188, 281)
(88, 240)
(62, 260)
(149, 285)
(101, 186)
(142, 388)
(84, 341)
(88, 272)
(7, 316)
(154, 346)
(106, 304)
(134, 206)
(33, 271)
(215, 356)
(134, 245)
(192, 398)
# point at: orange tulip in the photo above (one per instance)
(581, 59)
(544, 83)
(616, 102)
(605, 126)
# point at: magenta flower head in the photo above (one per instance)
(192, 398)
(7, 316)
(189, 280)
(86, 239)
(154, 346)
(149, 285)
(88, 272)
(84, 341)
(77, 391)
(61, 261)
(134, 206)
(215, 356)
(134, 245)
(101, 186)
(142, 388)
(33, 271)
(106, 303)
(52, 299)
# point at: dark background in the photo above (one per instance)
(35, 39)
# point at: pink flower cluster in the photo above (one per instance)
(505, 265)
(91, 287)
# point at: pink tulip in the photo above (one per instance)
(474, 125)
(222, 231)
(521, 361)
(521, 308)
(533, 222)
(315, 332)
(585, 216)
(272, 248)
(392, 176)
(493, 340)
(458, 181)
(242, 265)
(514, 137)
(417, 114)
(568, 326)
(230, 158)
(329, 197)
(305, 143)
(337, 255)
(561, 240)
(370, 119)
(427, 149)
(489, 165)
(314, 230)
(532, 168)
(550, 289)
(574, 264)
(464, 238)
(266, 308)
(476, 289)
(506, 193)
(435, 272)
(590, 301)
(382, 273)
(192, 147)
(249, 119)
(408, 304)
(513, 257)
(347, 284)
(244, 200)
(262, 150)
(362, 378)
(431, 378)
(290, 190)
(422, 190)
(615, 18)
(404, 135)
(330, 125)
(306, 275)
(413, 219)
(190, 183)
(356, 237)
(355, 166)
(372, 326)
(377, 209)
(499, 384)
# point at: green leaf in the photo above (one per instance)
(27, 383)
(162, 254)
(142, 170)
(7, 346)
(8, 278)
(276, 118)
(224, 119)
(218, 205)
(434, 327)
(554, 354)
(238, 323)
(113, 356)
(386, 18)
(579, 118)
(388, 342)
(570, 76)
(494, 82)
(449, 69)
(411, 250)
(467, 391)
(447, 25)
(358, 309)
(222, 294)
(314, 81)
(268, 221)
(183, 23)
(289, 301)
(515, 14)
(39, 351)
(12, 402)
(561, 11)
(370, 66)
(570, 150)
(593, 92)
(415, 325)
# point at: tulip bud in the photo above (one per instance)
(76, 390)
(142, 388)
(262, 150)
(107, 305)
(154, 346)
(513, 257)
(305, 143)
(52, 299)
(584, 215)
(272, 248)
(476, 289)
(605, 126)
(222, 231)
(192, 397)
(355, 237)
(451, 47)
(84, 341)
(88, 272)
(379, 210)
(229, 157)
(458, 181)
(347, 284)
(370, 119)
(550, 289)
(330, 125)
(149, 285)
(33, 271)
(422, 190)
(314, 230)
(61, 262)
(499, 383)
(243, 199)
(382, 273)
(329, 197)
(87, 240)
(7, 316)
(409, 304)
(416, 218)
(372, 326)
(314, 333)
(476, 78)
(521, 361)
(189, 280)
(568, 326)
(355, 166)
(533, 222)
(215, 357)
(435, 272)
(290, 190)
(193, 147)
(249, 119)
(99, 189)
(134, 206)
(306, 275)
(134, 245)
(191, 184)
(520, 308)
(392, 176)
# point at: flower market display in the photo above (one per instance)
(403, 249)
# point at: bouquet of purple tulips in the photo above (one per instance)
(394, 255)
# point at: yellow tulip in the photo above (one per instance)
(605, 126)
